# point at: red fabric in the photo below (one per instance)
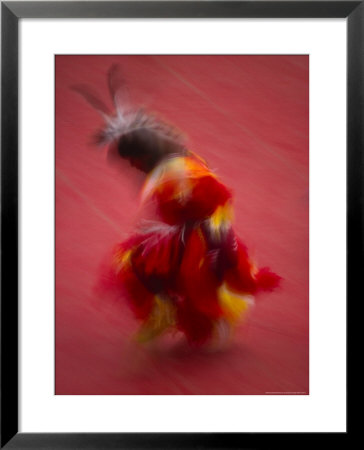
(196, 325)
(139, 298)
(196, 279)
(267, 280)
(206, 195)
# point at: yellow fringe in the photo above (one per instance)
(234, 305)
(163, 316)
(221, 218)
(121, 259)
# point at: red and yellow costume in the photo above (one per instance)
(188, 272)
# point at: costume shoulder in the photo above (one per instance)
(185, 189)
(177, 176)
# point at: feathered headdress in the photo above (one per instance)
(125, 118)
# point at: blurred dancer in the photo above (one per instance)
(187, 271)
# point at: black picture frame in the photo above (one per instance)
(11, 12)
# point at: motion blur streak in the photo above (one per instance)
(248, 117)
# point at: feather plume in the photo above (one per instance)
(91, 97)
(125, 118)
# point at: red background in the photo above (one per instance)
(248, 116)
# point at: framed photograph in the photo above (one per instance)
(166, 166)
